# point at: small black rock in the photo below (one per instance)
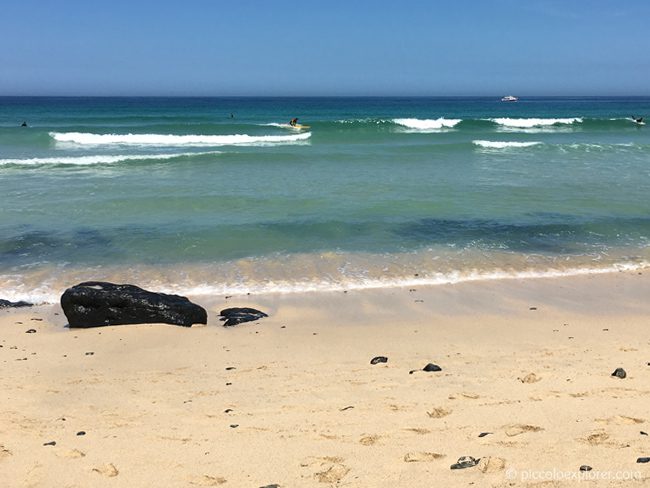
(274, 485)
(30, 331)
(483, 434)
(81, 432)
(90, 353)
(230, 368)
(643, 460)
(234, 316)
(465, 462)
(234, 426)
(619, 373)
(584, 467)
(51, 443)
(643, 433)
(228, 410)
(379, 359)
(432, 368)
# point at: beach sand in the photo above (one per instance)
(528, 361)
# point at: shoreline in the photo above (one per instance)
(529, 361)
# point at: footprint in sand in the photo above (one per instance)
(109, 470)
(330, 469)
(207, 480)
(369, 440)
(530, 378)
(517, 429)
(491, 464)
(438, 413)
(422, 457)
(4, 452)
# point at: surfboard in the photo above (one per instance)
(295, 127)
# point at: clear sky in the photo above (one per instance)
(332, 47)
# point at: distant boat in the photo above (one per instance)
(509, 98)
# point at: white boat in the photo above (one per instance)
(509, 98)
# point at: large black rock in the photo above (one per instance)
(234, 316)
(95, 303)
(7, 304)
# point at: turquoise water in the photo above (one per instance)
(178, 195)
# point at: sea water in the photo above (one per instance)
(218, 196)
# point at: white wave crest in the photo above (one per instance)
(533, 122)
(99, 159)
(85, 138)
(504, 144)
(424, 125)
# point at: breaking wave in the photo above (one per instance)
(98, 159)
(84, 138)
(424, 125)
(504, 144)
(535, 122)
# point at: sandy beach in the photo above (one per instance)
(293, 401)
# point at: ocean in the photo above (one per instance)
(218, 196)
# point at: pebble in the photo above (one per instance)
(345, 408)
(51, 443)
(81, 432)
(465, 462)
(230, 368)
(379, 359)
(431, 368)
(274, 485)
(620, 373)
(584, 467)
(483, 434)
(643, 433)
(643, 460)
(90, 353)
(234, 426)
(228, 410)
(30, 331)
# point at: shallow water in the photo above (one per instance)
(176, 194)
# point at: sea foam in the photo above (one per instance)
(535, 122)
(99, 159)
(424, 125)
(504, 144)
(85, 138)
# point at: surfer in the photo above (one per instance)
(24, 124)
(293, 122)
(638, 120)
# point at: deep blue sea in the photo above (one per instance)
(221, 196)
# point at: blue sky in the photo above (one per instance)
(305, 47)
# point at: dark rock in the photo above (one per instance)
(234, 426)
(619, 373)
(379, 359)
(643, 433)
(228, 410)
(90, 353)
(234, 316)
(346, 408)
(51, 443)
(81, 432)
(8, 304)
(465, 462)
(432, 368)
(95, 303)
(584, 467)
(274, 485)
(483, 434)
(30, 331)
(643, 460)
(230, 368)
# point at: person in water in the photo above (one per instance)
(293, 122)
(638, 120)
(24, 124)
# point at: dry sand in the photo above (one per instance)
(529, 361)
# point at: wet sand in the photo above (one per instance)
(293, 400)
